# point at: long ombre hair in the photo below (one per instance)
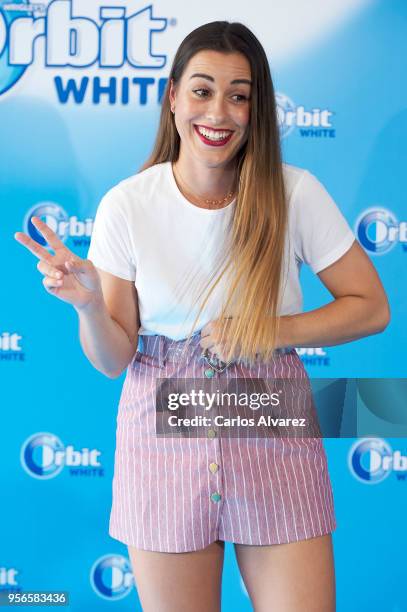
(256, 252)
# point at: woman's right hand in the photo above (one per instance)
(68, 277)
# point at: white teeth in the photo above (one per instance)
(213, 135)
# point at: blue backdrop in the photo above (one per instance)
(77, 118)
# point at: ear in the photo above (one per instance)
(172, 93)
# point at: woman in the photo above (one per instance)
(215, 196)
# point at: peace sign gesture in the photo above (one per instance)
(68, 277)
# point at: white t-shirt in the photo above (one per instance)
(146, 231)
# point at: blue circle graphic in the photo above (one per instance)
(376, 230)
(52, 215)
(38, 455)
(366, 460)
(285, 105)
(9, 75)
(111, 577)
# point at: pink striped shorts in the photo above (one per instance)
(174, 494)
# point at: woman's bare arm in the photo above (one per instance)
(108, 326)
(360, 307)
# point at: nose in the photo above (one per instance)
(216, 112)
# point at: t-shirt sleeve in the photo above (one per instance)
(321, 232)
(110, 245)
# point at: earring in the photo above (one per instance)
(173, 109)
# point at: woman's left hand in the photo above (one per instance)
(214, 336)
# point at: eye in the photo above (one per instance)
(239, 98)
(201, 92)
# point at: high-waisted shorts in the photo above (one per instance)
(179, 494)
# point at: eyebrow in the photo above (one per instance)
(209, 78)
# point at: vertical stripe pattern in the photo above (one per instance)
(272, 490)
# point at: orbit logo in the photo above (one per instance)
(312, 123)
(8, 581)
(371, 460)
(10, 347)
(105, 35)
(9, 73)
(313, 356)
(378, 230)
(43, 456)
(111, 577)
(60, 222)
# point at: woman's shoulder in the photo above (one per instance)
(302, 185)
(293, 177)
(141, 184)
(134, 195)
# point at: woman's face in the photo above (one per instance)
(212, 106)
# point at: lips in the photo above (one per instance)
(219, 142)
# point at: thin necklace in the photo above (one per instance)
(207, 201)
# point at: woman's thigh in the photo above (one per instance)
(179, 582)
(294, 577)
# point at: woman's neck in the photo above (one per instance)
(204, 181)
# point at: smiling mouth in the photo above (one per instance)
(212, 137)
